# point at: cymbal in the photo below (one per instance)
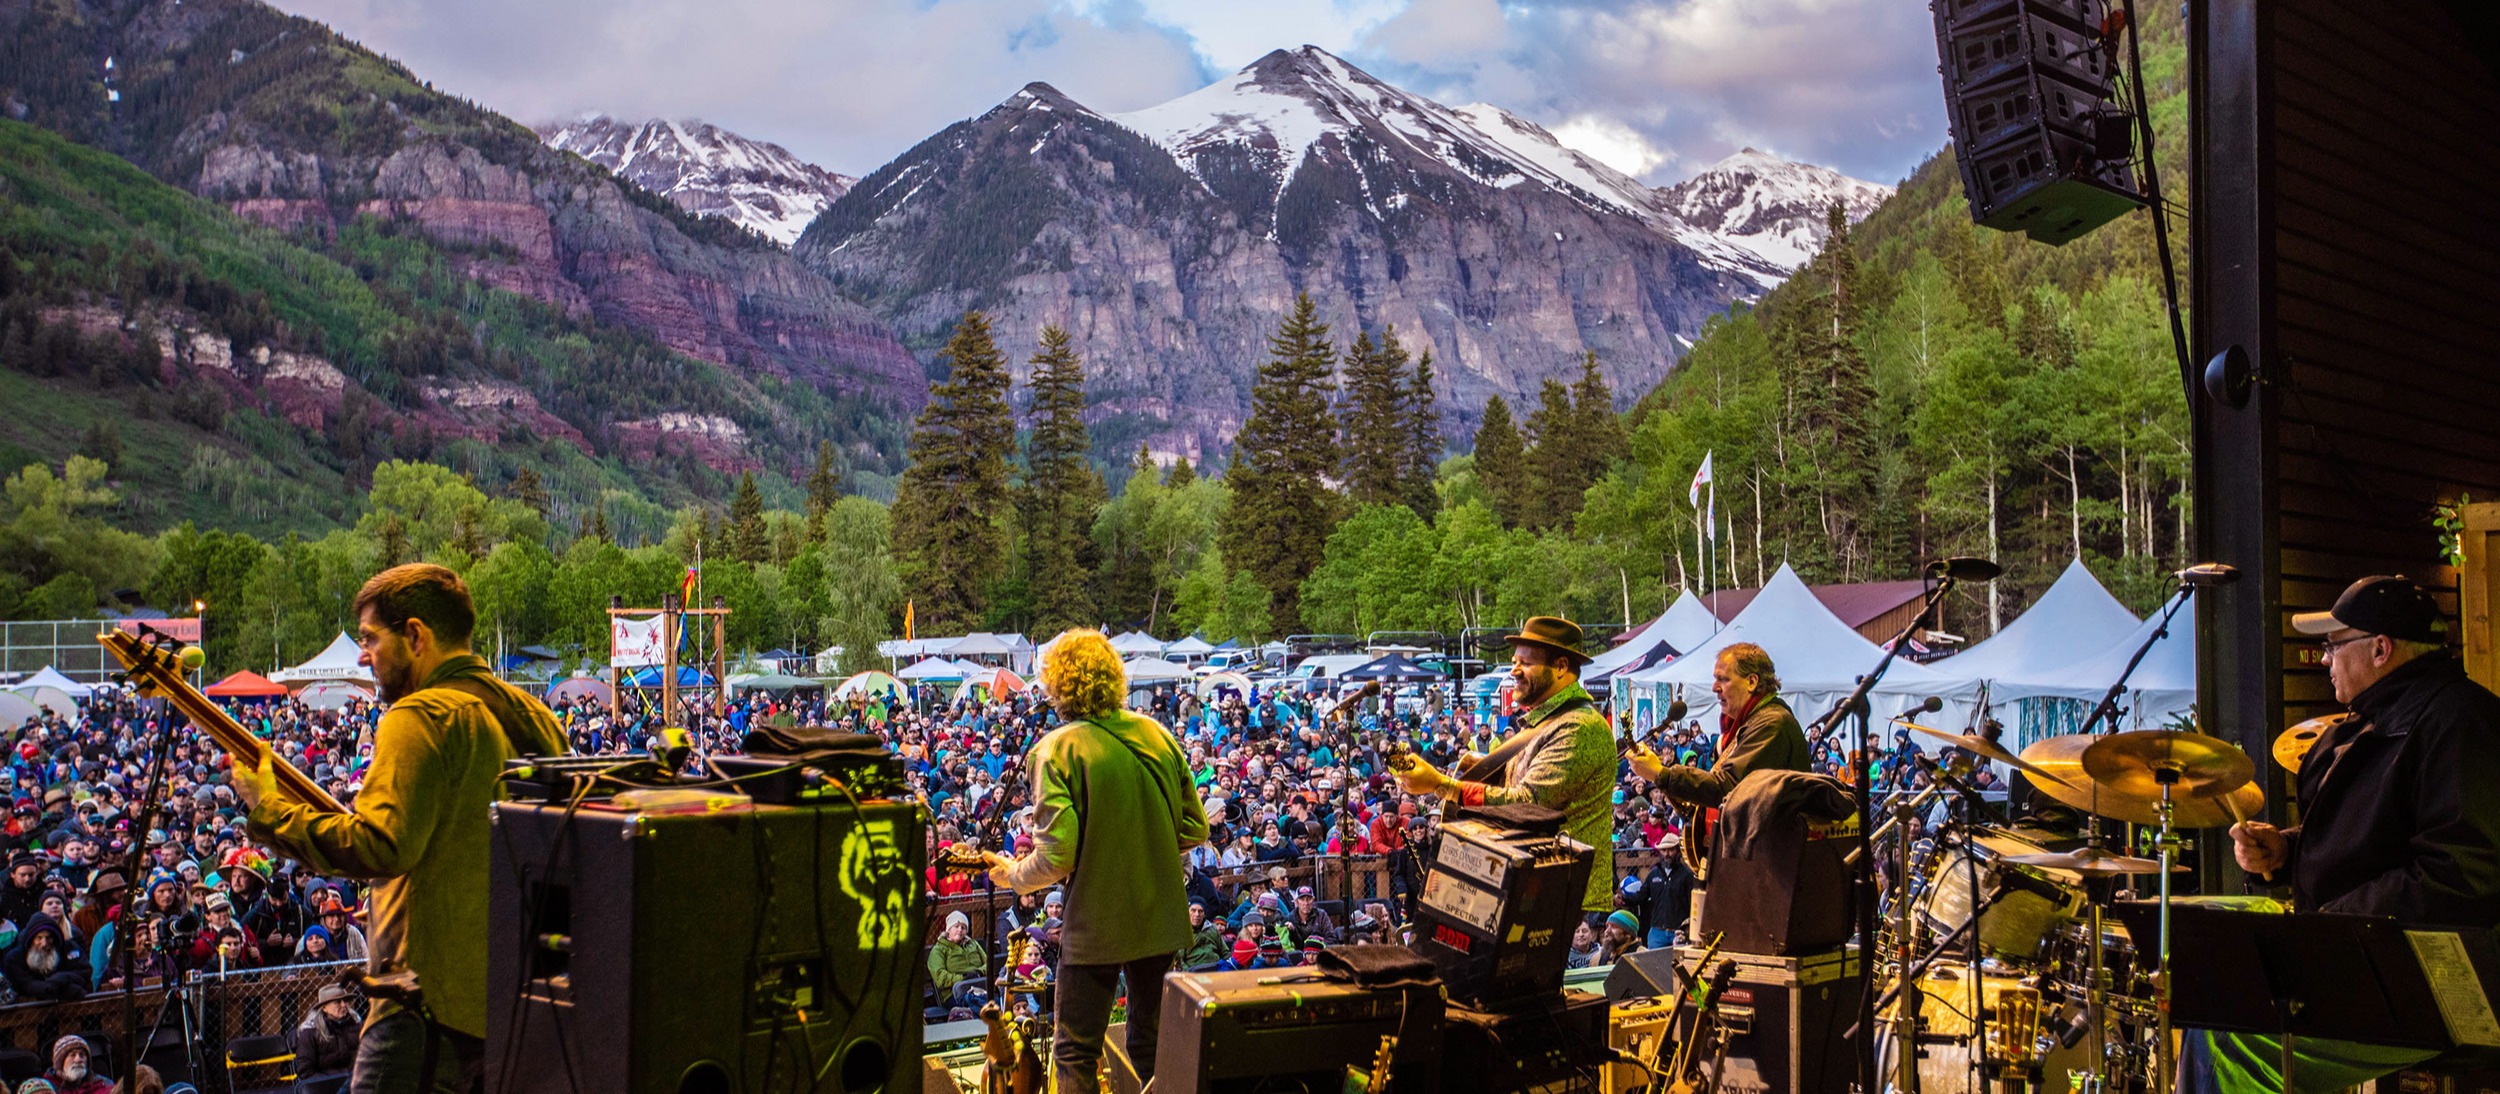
(2061, 757)
(2093, 861)
(1984, 749)
(2294, 745)
(2193, 764)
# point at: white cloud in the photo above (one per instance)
(1612, 143)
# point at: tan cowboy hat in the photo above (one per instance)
(1554, 633)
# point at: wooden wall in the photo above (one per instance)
(2346, 233)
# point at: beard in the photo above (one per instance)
(395, 682)
(42, 960)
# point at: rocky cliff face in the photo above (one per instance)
(295, 128)
(1169, 242)
(706, 170)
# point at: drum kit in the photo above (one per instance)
(2002, 968)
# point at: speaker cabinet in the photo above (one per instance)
(2042, 144)
(745, 951)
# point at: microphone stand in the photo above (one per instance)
(1863, 881)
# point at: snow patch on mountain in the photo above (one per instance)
(1768, 210)
(707, 170)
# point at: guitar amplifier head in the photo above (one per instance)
(1291, 1029)
(1498, 909)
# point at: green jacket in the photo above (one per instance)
(951, 962)
(420, 829)
(1569, 765)
(1114, 828)
(1206, 947)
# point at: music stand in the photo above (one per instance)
(2345, 977)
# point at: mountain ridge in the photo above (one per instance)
(706, 170)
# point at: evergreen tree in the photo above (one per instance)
(1423, 432)
(1501, 463)
(1277, 525)
(1601, 431)
(391, 541)
(748, 541)
(1834, 400)
(1377, 431)
(824, 487)
(1060, 491)
(1181, 473)
(595, 526)
(527, 490)
(948, 547)
(1557, 460)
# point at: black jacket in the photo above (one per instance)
(1667, 894)
(2405, 823)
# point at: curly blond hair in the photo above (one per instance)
(1083, 676)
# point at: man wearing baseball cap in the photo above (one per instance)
(1562, 757)
(2397, 814)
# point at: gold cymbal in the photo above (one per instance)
(1983, 748)
(2294, 745)
(2093, 861)
(2061, 757)
(2194, 765)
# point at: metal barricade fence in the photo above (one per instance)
(212, 1009)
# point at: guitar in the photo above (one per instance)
(154, 668)
(1706, 1027)
(1376, 1080)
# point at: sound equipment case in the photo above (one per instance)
(749, 949)
(1787, 1016)
(1498, 908)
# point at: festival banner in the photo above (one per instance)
(635, 642)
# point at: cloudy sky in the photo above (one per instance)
(1659, 88)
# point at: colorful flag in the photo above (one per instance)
(1701, 479)
(907, 621)
(686, 592)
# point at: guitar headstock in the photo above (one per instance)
(1379, 1083)
(149, 661)
(958, 859)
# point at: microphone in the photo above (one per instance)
(1963, 568)
(2205, 574)
(1931, 705)
(1675, 712)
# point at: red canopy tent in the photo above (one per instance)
(245, 685)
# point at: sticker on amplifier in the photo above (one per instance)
(1475, 860)
(1463, 902)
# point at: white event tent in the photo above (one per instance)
(1155, 670)
(2163, 687)
(1818, 658)
(1136, 642)
(2075, 619)
(1685, 625)
(1192, 647)
(49, 677)
(335, 662)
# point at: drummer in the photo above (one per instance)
(2398, 815)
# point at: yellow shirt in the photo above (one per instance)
(420, 829)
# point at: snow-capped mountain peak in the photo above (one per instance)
(1769, 209)
(707, 170)
(1753, 214)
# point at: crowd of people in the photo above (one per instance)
(1288, 775)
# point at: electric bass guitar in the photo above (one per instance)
(154, 668)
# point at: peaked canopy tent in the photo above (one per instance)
(1138, 642)
(688, 676)
(774, 682)
(245, 685)
(1192, 647)
(2076, 618)
(336, 661)
(932, 669)
(1817, 656)
(998, 682)
(1685, 624)
(50, 677)
(981, 644)
(2163, 687)
(332, 694)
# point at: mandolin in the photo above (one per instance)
(154, 668)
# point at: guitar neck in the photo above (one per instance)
(150, 668)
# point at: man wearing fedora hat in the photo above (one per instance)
(2397, 815)
(1562, 757)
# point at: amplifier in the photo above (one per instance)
(1638, 1028)
(1288, 1030)
(751, 950)
(1789, 893)
(792, 780)
(1498, 909)
(1551, 1044)
(1785, 1017)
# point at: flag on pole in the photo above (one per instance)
(685, 591)
(907, 621)
(1701, 479)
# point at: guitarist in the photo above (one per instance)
(1562, 756)
(1757, 732)
(420, 825)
